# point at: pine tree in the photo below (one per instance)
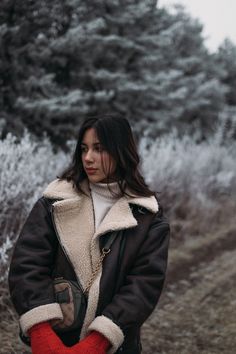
(226, 57)
(69, 59)
(26, 28)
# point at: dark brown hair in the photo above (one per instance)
(115, 135)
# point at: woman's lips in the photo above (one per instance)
(91, 171)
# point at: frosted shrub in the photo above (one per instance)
(26, 168)
(194, 181)
(4, 257)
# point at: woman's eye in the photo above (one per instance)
(96, 148)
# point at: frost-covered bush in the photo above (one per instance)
(26, 168)
(196, 181)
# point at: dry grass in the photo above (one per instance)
(10, 342)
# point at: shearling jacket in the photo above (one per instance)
(59, 239)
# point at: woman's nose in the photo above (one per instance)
(89, 156)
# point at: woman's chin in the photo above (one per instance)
(95, 179)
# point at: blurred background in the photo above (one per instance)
(171, 70)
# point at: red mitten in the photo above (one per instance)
(94, 343)
(45, 341)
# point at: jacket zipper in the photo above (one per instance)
(63, 248)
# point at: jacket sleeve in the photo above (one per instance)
(142, 287)
(29, 277)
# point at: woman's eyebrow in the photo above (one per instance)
(96, 143)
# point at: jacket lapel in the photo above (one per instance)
(74, 220)
(75, 225)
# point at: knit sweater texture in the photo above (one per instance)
(103, 199)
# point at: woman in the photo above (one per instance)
(100, 193)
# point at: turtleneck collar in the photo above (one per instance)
(102, 189)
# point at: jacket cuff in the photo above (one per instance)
(110, 330)
(39, 314)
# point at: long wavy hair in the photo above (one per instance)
(115, 135)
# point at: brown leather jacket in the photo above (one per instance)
(132, 276)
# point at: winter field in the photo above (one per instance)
(196, 185)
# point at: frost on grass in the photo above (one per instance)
(195, 181)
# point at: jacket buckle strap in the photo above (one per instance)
(63, 296)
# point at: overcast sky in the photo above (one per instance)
(217, 16)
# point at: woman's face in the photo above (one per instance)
(97, 162)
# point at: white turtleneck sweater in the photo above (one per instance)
(103, 199)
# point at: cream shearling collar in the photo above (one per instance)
(61, 189)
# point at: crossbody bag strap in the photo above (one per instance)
(110, 241)
(105, 250)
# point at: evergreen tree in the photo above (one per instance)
(226, 57)
(72, 58)
(26, 28)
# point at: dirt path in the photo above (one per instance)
(197, 310)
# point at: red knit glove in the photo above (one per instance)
(45, 341)
(94, 343)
